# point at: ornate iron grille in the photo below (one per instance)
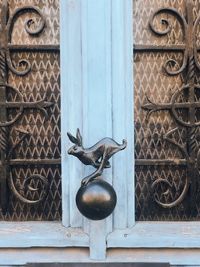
(167, 138)
(30, 111)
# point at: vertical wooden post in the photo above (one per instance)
(71, 106)
(97, 97)
(122, 110)
(96, 86)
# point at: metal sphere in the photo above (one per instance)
(96, 200)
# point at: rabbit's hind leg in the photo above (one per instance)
(103, 164)
(98, 172)
(97, 164)
(107, 164)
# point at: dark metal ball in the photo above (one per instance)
(96, 200)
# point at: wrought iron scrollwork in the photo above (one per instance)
(188, 92)
(7, 29)
(33, 27)
(27, 186)
(189, 36)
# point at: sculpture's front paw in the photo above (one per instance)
(86, 181)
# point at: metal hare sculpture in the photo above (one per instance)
(95, 199)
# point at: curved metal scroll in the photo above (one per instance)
(164, 21)
(30, 22)
(187, 29)
(27, 185)
(160, 181)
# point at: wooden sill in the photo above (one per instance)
(40, 234)
(157, 235)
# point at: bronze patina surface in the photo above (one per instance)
(96, 199)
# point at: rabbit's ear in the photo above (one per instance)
(72, 138)
(79, 137)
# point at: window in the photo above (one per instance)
(148, 240)
(166, 131)
(40, 153)
(30, 128)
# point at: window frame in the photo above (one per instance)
(97, 63)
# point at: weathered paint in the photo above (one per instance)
(40, 234)
(107, 102)
(96, 62)
(175, 257)
(122, 99)
(71, 105)
(157, 235)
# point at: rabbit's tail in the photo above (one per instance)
(124, 144)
